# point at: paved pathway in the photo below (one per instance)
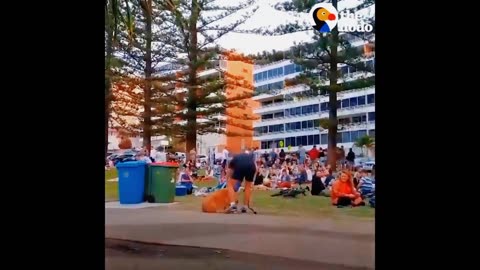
(349, 243)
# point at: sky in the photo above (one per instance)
(268, 17)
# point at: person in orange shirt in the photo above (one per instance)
(344, 193)
(314, 153)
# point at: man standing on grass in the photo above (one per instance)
(241, 167)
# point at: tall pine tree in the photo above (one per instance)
(143, 46)
(321, 58)
(199, 26)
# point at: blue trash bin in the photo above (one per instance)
(188, 185)
(180, 191)
(131, 181)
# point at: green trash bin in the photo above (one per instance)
(161, 182)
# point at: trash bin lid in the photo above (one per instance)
(131, 164)
(165, 164)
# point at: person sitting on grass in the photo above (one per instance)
(302, 176)
(285, 180)
(366, 186)
(185, 177)
(317, 185)
(344, 193)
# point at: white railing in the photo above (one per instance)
(272, 63)
(291, 118)
(339, 95)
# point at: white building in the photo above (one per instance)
(291, 118)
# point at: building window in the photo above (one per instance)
(339, 137)
(353, 101)
(270, 73)
(280, 71)
(291, 141)
(278, 115)
(371, 116)
(370, 98)
(264, 145)
(310, 140)
(289, 69)
(316, 139)
(354, 136)
(299, 140)
(323, 139)
(371, 133)
(304, 140)
(288, 142)
(310, 124)
(361, 100)
(362, 133)
(356, 119)
(346, 137)
(345, 103)
(265, 75)
(267, 116)
(298, 68)
(324, 106)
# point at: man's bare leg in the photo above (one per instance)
(247, 196)
(231, 190)
(232, 195)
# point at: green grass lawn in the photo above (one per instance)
(111, 174)
(302, 206)
(111, 188)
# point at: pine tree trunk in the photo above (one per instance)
(147, 114)
(191, 136)
(332, 95)
(108, 82)
(107, 111)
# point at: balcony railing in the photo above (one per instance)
(341, 127)
(318, 113)
(286, 131)
(283, 92)
(271, 64)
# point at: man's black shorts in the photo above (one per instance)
(243, 167)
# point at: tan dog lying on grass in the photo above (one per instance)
(216, 202)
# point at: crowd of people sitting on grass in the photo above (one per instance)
(349, 186)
